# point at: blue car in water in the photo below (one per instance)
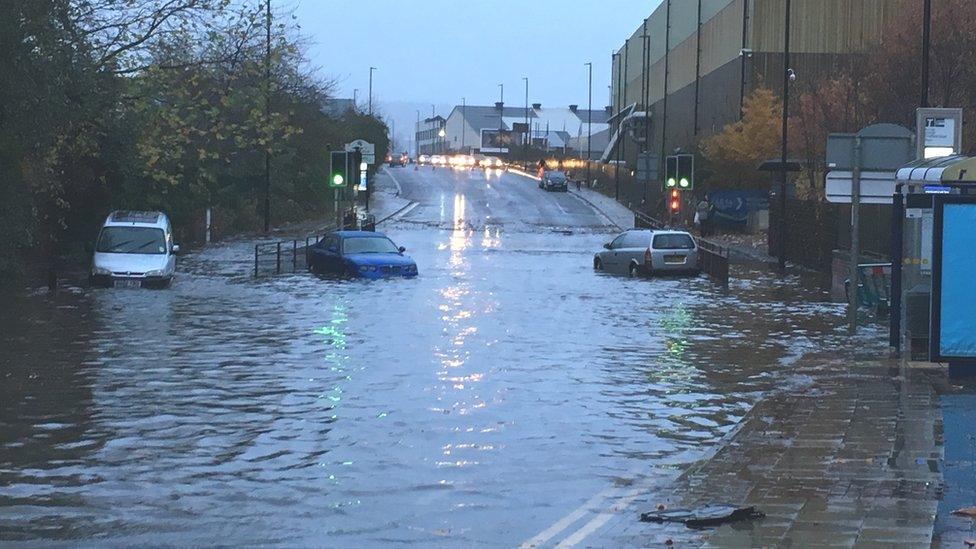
(360, 254)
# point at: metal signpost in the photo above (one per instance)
(882, 147)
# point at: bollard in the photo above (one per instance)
(256, 260)
(294, 256)
(278, 259)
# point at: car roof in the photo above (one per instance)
(350, 234)
(135, 218)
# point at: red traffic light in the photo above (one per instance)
(675, 200)
(675, 205)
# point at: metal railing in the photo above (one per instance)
(283, 256)
(714, 261)
(644, 221)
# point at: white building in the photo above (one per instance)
(498, 129)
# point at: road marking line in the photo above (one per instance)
(569, 519)
(602, 518)
(388, 172)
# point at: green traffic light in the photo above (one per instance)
(338, 180)
(671, 182)
(684, 182)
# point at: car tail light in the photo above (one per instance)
(647, 257)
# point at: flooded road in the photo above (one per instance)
(474, 406)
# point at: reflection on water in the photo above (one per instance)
(489, 397)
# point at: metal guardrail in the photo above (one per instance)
(714, 261)
(284, 256)
(644, 221)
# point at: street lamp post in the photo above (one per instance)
(528, 135)
(267, 114)
(589, 124)
(781, 240)
(926, 45)
(463, 106)
(501, 112)
(615, 61)
(371, 69)
(416, 136)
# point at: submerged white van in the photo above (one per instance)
(134, 250)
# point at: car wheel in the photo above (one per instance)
(597, 264)
(632, 271)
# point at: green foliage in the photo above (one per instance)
(155, 104)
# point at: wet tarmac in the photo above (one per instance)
(472, 406)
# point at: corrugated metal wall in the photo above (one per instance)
(823, 32)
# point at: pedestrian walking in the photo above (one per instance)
(703, 216)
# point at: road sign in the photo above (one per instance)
(939, 132)
(647, 167)
(367, 149)
(884, 147)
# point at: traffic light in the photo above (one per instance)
(674, 204)
(353, 164)
(339, 171)
(670, 172)
(686, 171)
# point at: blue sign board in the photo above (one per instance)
(733, 207)
(953, 319)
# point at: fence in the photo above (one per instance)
(714, 261)
(284, 256)
(811, 232)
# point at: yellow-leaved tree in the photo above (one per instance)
(734, 155)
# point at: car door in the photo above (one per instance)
(326, 255)
(633, 247)
(609, 256)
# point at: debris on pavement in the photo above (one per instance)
(966, 512)
(709, 515)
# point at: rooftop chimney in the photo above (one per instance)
(499, 105)
(574, 108)
(536, 106)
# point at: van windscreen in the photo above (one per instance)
(131, 240)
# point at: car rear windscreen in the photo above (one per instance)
(673, 242)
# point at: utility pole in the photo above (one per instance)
(781, 240)
(417, 136)
(355, 99)
(528, 134)
(589, 125)
(501, 113)
(926, 45)
(698, 56)
(667, 71)
(463, 121)
(371, 69)
(645, 99)
(267, 115)
(615, 60)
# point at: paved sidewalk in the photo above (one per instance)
(852, 460)
(617, 213)
(385, 201)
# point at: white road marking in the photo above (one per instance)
(602, 518)
(389, 172)
(569, 519)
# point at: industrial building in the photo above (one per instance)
(499, 129)
(710, 54)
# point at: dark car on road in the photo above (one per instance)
(360, 254)
(554, 181)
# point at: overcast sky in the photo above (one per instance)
(438, 51)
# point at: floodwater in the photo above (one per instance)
(472, 406)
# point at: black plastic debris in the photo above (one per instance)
(709, 515)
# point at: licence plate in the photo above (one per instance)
(128, 283)
(674, 259)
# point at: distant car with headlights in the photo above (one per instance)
(360, 254)
(554, 181)
(644, 252)
(438, 160)
(423, 160)
(134, 250)
(491, 162)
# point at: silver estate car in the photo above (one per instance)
(644, 252)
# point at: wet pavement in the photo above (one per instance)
(480, 404)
